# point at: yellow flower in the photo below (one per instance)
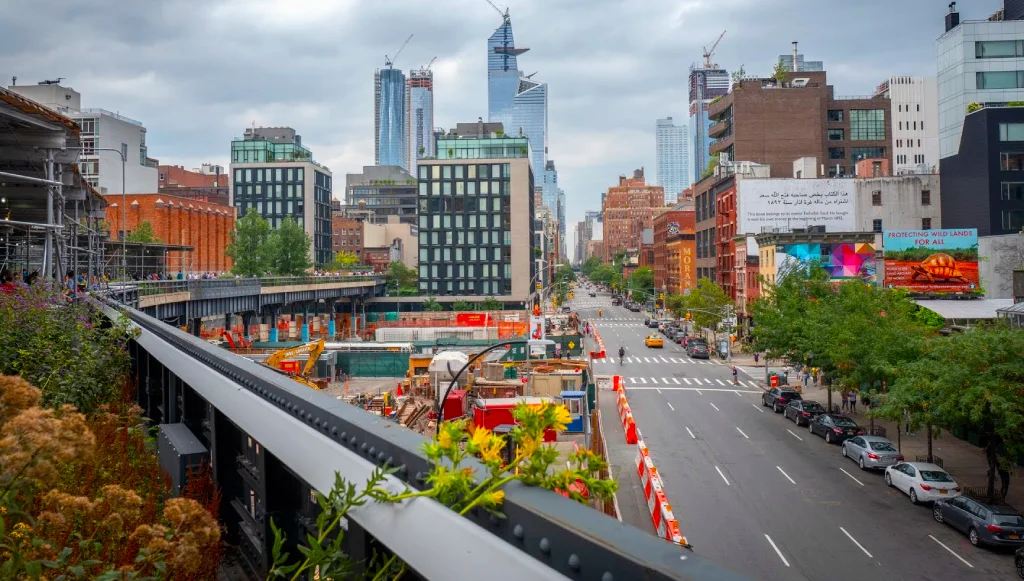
(497, 496)
(481, 437)
(492, 451)
(529, 445)
(562, 418)
(444, 439)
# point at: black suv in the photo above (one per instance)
(779, 397)
(694, 342)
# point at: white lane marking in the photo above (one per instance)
(674, 360)
(691, 433)
(632, 380)
(719, 382)
(851, 476)
(687, 381)
(663, 380)
(714, 406)
(760, 410)
(643, 379)
(654, 380)
(723, 476)
(648, 360)
(943, 545)
(738, 392)
(791, 433)
(860, 546)
(777, 551)
(788, 478)
(699, 393)
(670, 406)
(659, 392)
(610, 360)
(675, 380)
(663, 359)
(741, 433)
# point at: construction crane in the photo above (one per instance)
(504, 15)
(531, 74)
(388, 61)
(314, 349)
(427, 68)
(709, 53)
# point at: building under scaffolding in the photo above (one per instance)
(51, 220)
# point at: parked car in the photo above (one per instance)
(835, 428)
(693, 342)
(679, 338)
(871, 452)
(802, 411)
(651, 323)
(984, 524)
(779, 397)
(698, 351)
(616, 301)
(593, 294)
(921, 481)
(654, 341)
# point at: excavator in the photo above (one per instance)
(278, 361)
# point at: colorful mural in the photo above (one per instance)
(843, 261)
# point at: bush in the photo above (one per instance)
(69, 350)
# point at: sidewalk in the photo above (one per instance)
(963, 460)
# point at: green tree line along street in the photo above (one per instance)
(880, 343)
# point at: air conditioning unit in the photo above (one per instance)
(800, 83)
(723, 158)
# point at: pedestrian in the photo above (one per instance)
(853, 401)
(906, 421)
(845, 398)
(807, 377)
(1004, 480)
(756, 357)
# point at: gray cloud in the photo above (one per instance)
(197, 72)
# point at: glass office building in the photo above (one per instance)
(389, 114)
(673, 159)
(502, 74)
(420, 115)
(530, 114)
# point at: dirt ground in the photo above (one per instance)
(368, 385)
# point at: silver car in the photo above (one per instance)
(871, 452)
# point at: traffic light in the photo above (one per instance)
(661, 296)
(688, 316)
(732, 338)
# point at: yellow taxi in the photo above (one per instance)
(654, 341)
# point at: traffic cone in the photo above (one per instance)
(398, 393)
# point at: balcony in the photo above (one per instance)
(719, 105)
(719, 129)
(720, 145)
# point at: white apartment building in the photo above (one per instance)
(106, 137)
(978, 61)
(915, 123)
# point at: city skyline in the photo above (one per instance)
(193, 87)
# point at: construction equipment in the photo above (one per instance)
(504, 15)
(278, 361)
(241, 343)
(427, 68)
(388, 61)
(709, 53)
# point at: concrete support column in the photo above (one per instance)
(304, 332)
(330, 304)
(196, 326)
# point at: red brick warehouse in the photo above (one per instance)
(181, 221)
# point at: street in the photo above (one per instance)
(760, 496)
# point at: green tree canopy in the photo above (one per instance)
(463, 306)
(343, 261)
(707, 303)
(249, 245)
(402, 280)
(641, 284)
(491, 304)
(289, 249)
(431, 304)
(589, 265)
(143, 234)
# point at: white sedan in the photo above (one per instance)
(921, 481)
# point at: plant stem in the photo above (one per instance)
(476, 500)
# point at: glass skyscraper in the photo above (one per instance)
(389, 116)
(705, 85)
(420, 115)
(530, 114)
(672, 155)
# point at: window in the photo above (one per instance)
(999, 79)
(1012, 191)
(876, 198)
(867, 124)
(859, 153)
(1013, 220)
(835, 116)
(1011, 161)
(836, 134)
(1011, 132)
(926, 197)
(836, 171)
(876, 226)
(837, 153)
(926, 223)
(995, 49)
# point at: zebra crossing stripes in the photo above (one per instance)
(657, 359)
(694, 381)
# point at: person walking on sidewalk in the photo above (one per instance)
(845, 398)
(1004, 480)
(853, 401)
(756, 357)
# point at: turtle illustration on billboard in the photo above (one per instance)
(938, 267)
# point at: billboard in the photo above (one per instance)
(796, 203)
(932, 260)
(537, 328)
(842, 260)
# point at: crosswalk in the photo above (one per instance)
(660, 359)
(604, 320)
(691, 381)
(636, 324)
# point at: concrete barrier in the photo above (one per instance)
(662, 517)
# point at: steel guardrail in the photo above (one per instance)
(572, 540)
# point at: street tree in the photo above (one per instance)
(143, 234)
(971, 381)
(463, 306)
(431, 304)
(343, 261)
(589, 265)
(249, 245)
(708, 304)
(402, 280)
(491, 304)
(641, 284)
(289, 249)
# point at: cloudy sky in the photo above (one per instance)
(198, 72)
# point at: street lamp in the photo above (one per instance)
(455, 378)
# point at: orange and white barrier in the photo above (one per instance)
(598, 353)
(625, 413)
(657, 503)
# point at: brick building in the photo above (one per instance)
(347, 235)
(670, 222)
(208, 184)
(762, 122)
(179, 221)
(628, 209)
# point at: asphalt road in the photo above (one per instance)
(762, 497)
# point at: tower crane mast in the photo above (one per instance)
(709, 53)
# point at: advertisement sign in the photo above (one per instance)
(471, 319)
(932, 260)
(687, 263)
(795, 203)
(537, 328)
(842, 260)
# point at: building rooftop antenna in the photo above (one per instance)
(709, 53)
(388, 61)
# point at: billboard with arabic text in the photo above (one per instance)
(796, 203)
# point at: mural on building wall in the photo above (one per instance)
(843, 261)
(932, 260)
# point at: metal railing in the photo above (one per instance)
(161, 287)
(312, 436)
